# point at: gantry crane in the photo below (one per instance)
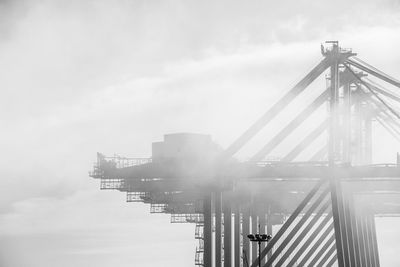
(320, 212)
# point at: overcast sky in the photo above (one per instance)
(77, 77)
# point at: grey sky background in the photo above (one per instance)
(77, 77)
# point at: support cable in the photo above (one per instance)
(375, 69)
(382, 120)
(380, 106)
(384, 77)
(373, 92)
(392, 133)
(381, 90)
(383, 110)
(380, 109)
(391, 122)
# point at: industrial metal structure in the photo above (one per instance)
(316, 211)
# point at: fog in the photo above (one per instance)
(79, 77)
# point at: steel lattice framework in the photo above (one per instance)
(320, 212)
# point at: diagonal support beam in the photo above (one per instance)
(332, 261)
(300, 118)
(311, 238)
(320, 154)
(277, 108)
(330, 244)
(307, 141)
(305, 231)
(326, 257)
(297, 227)
(317, 244)
(290, 220)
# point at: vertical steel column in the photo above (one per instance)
(333, 181)
(334, 84)
(262, 223)
(344, 229)
(207, 231)
(375, 241)
(254, 229)
(358, 137)
(218, 232)
(366, 239)
(360, 235)
(245, 232)
(370, 238)
(346, 115)
(334, 135)
(368, 135)
(227, 233)
(269, 229)
(349, 228)
(237, 245)
(355, 243)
